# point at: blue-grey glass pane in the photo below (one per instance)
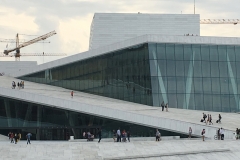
(225, 103)
(172, 85)
(223, 69)
(179, 68)
(232, 71)
(180, 100)
(198, 85)
(152, 50)
(215, 85)
(170, 51)
(191, 104)
(232, 86)
(207, 86)
(237, 52)
(222, 51)
(153, 67)
(165, 82)
(238, 69)
(172, 100)
(224, 85)
(233, 103)
(188, 52)
(217, 104)
(214, 69)
(188, 68)
(163, 68)
(179, 52)
(205, 49)
(181, 88)
(238, 85)
(231, 53)
(213, 53)
(208, 102)
(161, 51)
(206, 70)
(196, 51)
(171, 69)
(199, 105)
(155, 84)
(197, 69)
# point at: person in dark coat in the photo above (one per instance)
(128, 136)
(163, 105)
(99, 135)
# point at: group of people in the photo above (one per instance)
(208, 119)
(220, 134)
(14, 138)
(121, 136)
(90, 137)
(164, 106)
(19, 85)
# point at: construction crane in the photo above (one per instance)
(19, 46)
(220, 21)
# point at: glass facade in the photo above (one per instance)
(194, 76)
(123, 74)
(188, 76)
(49, 123)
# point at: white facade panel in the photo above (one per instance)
(10, 67)
(109, 28)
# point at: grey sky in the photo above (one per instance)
(72, 19)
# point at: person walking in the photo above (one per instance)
(16, 138)
(163, 105)
(72, 94)
(19, 136)
(219, 118)
(23, 84)
(114, 136)
(210, 120)
(157, 135)
(204, 117)
(28, 136)
(166, 106)
(118, 135)
(190, 132)
(222, 133)
(203, 134)
(9, 135)
(12, 138)
(128, 136)
(99, 135)
(18, 85)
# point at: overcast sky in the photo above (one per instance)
(71, 19)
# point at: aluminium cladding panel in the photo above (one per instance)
(110, 28)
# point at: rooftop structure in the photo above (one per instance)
(109, 28)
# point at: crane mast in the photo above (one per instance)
(18, 47)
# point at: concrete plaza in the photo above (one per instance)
(148, 150)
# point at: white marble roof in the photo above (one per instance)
(129, 43)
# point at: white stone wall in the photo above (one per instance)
(108, 28)
(11, 67)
